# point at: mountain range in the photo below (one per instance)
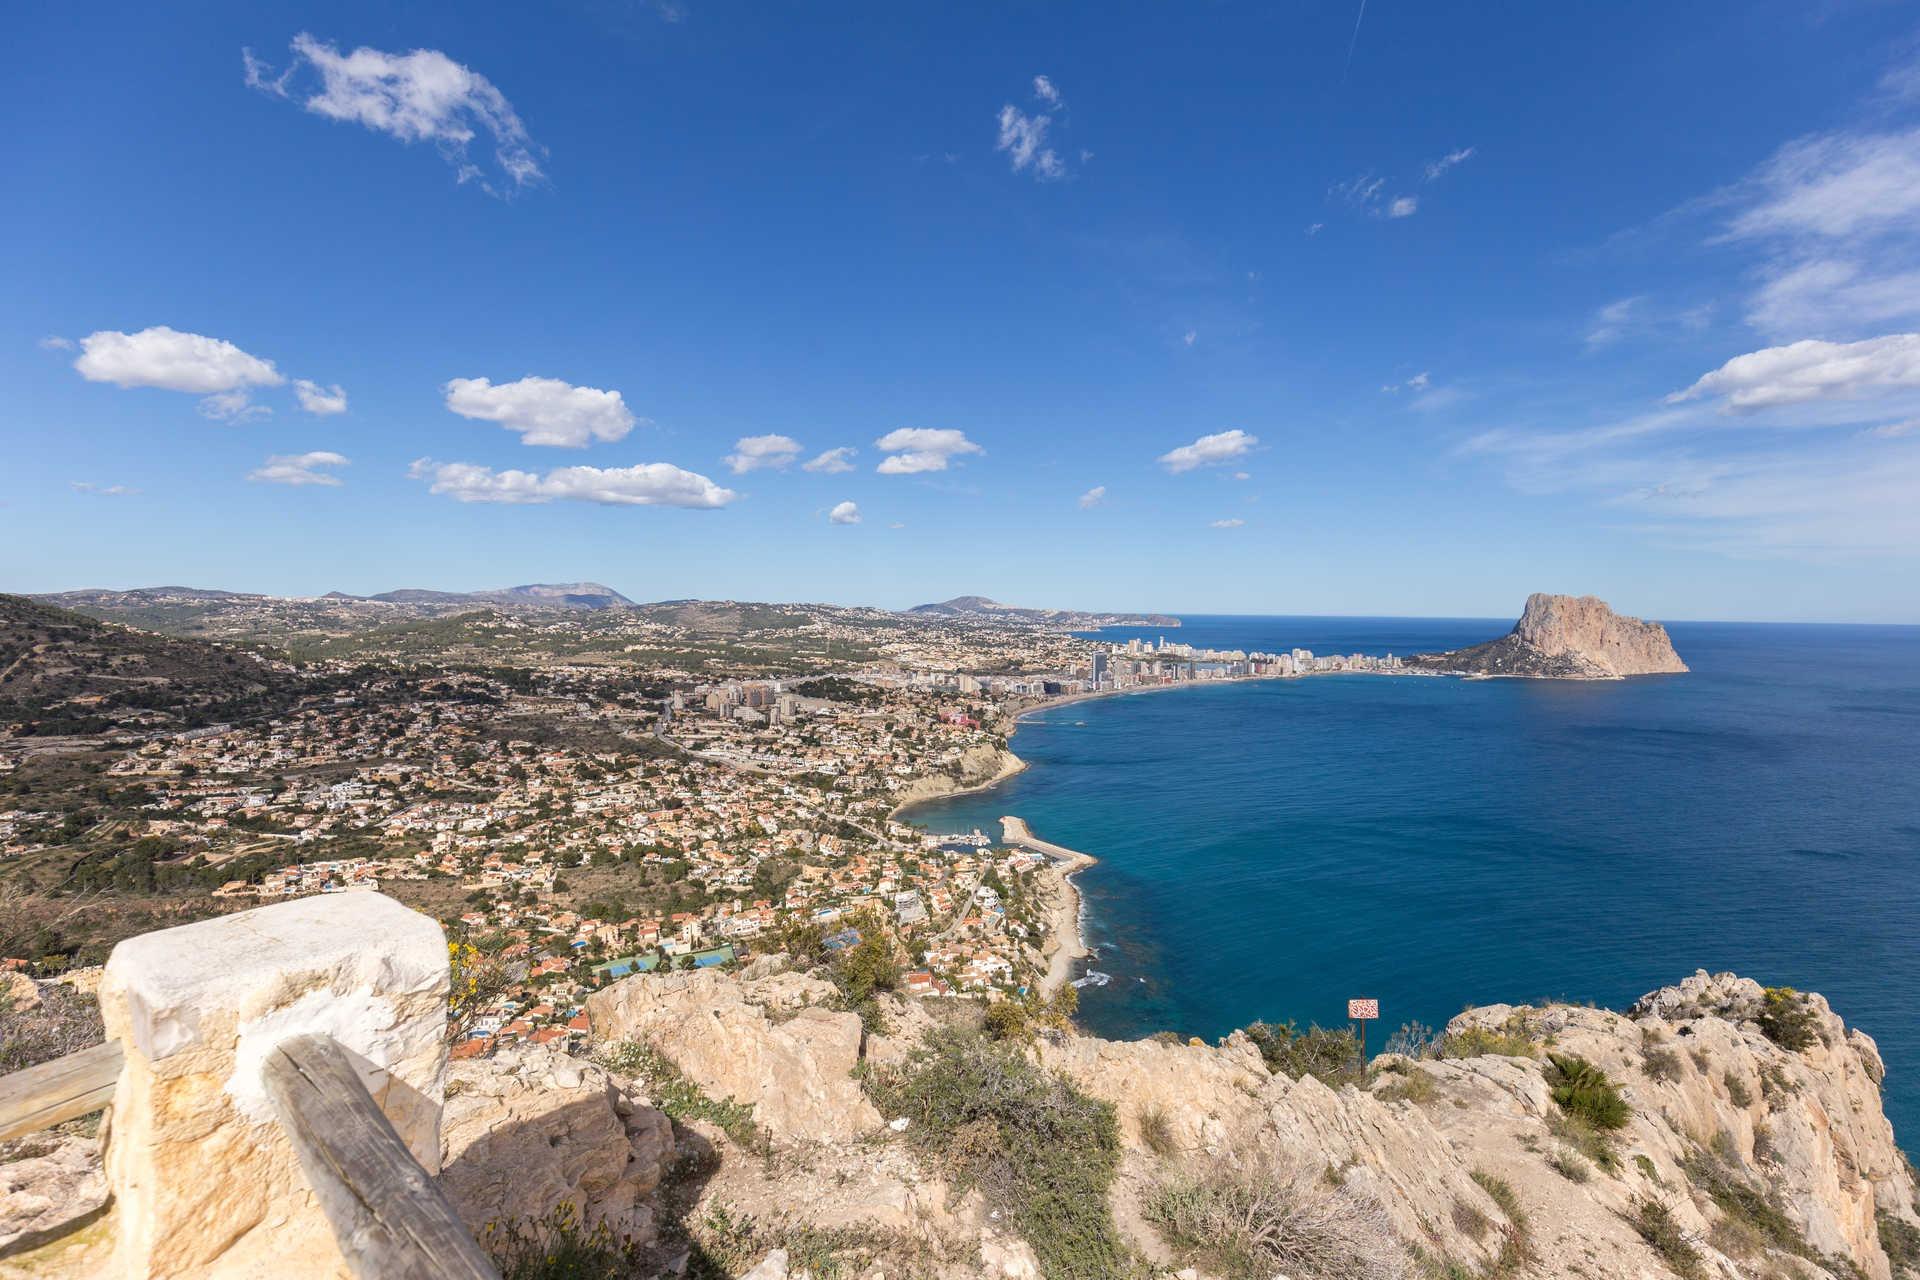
(1070, 619)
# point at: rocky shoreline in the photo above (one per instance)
(1066, 938)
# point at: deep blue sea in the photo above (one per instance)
(1269, 849)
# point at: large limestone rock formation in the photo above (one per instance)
(1566, 638)
(766, 1042)
(533, 1128)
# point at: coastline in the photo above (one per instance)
(1066, 941)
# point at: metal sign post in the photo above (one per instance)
(1363, 1012)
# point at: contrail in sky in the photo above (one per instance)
(1355, 41)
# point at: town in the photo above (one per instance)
(581, 796)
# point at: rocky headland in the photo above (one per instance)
(1565, 638)
(752, 1124)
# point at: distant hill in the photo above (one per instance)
(1066, 619)
(63, 673)
(569, 595)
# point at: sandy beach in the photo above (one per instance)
(1064, 943)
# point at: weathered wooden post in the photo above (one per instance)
(205, 1179)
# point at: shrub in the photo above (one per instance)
(1413, 1040)
(1513, 1040)
(1787, 1019)
(1157, 1131)
(1411, 1085)
(1737, 1090)
(559, 1247)
(62, 1022)
(1749, 1207)
(1039, 1150)
(1901, 1241)
(1570, 1164)
(1585, 1093)
(1655, 1222)
(1328, 1055)
(678, 1096)
(1585, 1139)
(1256, 1217)
(1660, 1064)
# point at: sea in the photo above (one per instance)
(1270, 849)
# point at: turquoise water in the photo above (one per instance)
(1269, 849)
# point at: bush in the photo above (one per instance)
(1787, 1019)
(1410, 1084)
(62, 1022)
(1655, 1222)
(1413, 1040)
(1737, 1090)
(1156, 1130)
(1331, 1056)
(678, 1096)
(1041, 1152)
(1585, 1093)
(559, 1247)
(1660, 1064)
(1585, 1139)
(1513, 1040)
(1901, 1241)
(1570, 1164)
(1254, 1217)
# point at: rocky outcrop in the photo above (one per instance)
(533, 1128)
(1565, 638)
(767, 1042)
(980, 767)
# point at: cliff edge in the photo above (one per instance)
(1565, 638)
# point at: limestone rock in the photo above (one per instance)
(767, 1043)
(48, 1183)
(771, 1267)
(532, 1128)
(1568, 638)
(205, 1182)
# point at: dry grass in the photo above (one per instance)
(1255, 1217)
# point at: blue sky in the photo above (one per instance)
(1117, 306)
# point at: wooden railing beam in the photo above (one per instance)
(388, 1216)
(40, 1097)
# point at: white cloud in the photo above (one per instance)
(1417, 383)
(299, 469)
(102, 490)
(421, 96)
(172, 361)
(1190, 337)
(1314, 228)
(1024, 139)
(319, 400)
(1232, 523)
(1438, 167)
(1812, 370)
(845, 513)
(648, 484)
(1611, 321)
(1894, 430)
(544, 411)
(832, 462)
(233, 406)
(1828, 295)
(753, 453)
(1044, 90)
(1359, 192)
(913, 450)
(1208, 451)
(1093, 497)
(54, 342)
(1403, 207)
(1833, 185)
(1242, 475)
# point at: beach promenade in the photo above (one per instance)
(1064, 944)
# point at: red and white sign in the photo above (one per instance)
(1360, 1010)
